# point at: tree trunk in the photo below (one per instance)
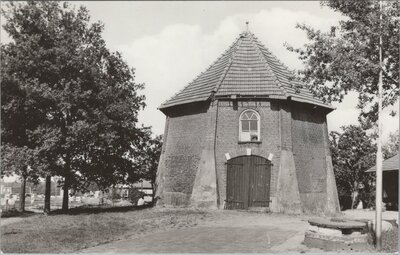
(113, 196)
(67, 180)
(47, 195)
(22, 194)
(153, 195)
(67, 166)
(65, 193)
(354, 195)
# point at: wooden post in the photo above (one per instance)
(378, 198)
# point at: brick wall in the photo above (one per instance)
(284, 125)
(227, 139)
(309, 151)
(185, 134)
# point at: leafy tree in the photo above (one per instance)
(113, 195)
(19, 119)
(18, 160)
(391, 147)
(347, 57)
(85, 94)
(352, 154)
(152, 152)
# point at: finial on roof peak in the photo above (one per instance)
(247, 26)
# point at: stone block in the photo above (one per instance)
(288, 197)
(386, 226)
(325, 231)
(332, 203)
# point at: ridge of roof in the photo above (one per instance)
(246, 68)
(168, 102)
(249, 75)
(238, 43)
(293, 94)
(254, 41)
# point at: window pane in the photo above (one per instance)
(245, 116)
(245, 136)
(245, 126)
(253, 125)
(253, 116)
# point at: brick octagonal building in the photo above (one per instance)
(240, 136)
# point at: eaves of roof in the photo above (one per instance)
(389, 164)
(247, 68)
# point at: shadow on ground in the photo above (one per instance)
(95, 209)
(15, 213)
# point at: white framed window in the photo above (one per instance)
(249, 126)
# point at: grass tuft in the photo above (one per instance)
(390, 240)
(87, 227)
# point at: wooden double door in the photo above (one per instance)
(248, 182)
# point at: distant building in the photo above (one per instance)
(243, 135)
(6, 189)
(12, 188)
(144, 186)
(390, 181)
(15, 188)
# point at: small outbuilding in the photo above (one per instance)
(390, 182)
(244, 134)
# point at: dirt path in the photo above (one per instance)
(228, 232)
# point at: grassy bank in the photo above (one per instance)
(63, 233)
(87, 227)
(390, 240)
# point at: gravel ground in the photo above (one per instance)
(221, 232)
(162, 230)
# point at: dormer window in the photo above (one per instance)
(249, 126)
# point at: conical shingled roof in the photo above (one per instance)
(247, 68)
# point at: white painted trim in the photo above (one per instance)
(258, 125)
(248, 151)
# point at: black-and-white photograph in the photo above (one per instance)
(200, 126)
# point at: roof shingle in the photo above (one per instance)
(388, 164)
(247, 68)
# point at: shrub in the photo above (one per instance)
(134, 195)
(113, 195)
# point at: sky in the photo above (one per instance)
(170, 43)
